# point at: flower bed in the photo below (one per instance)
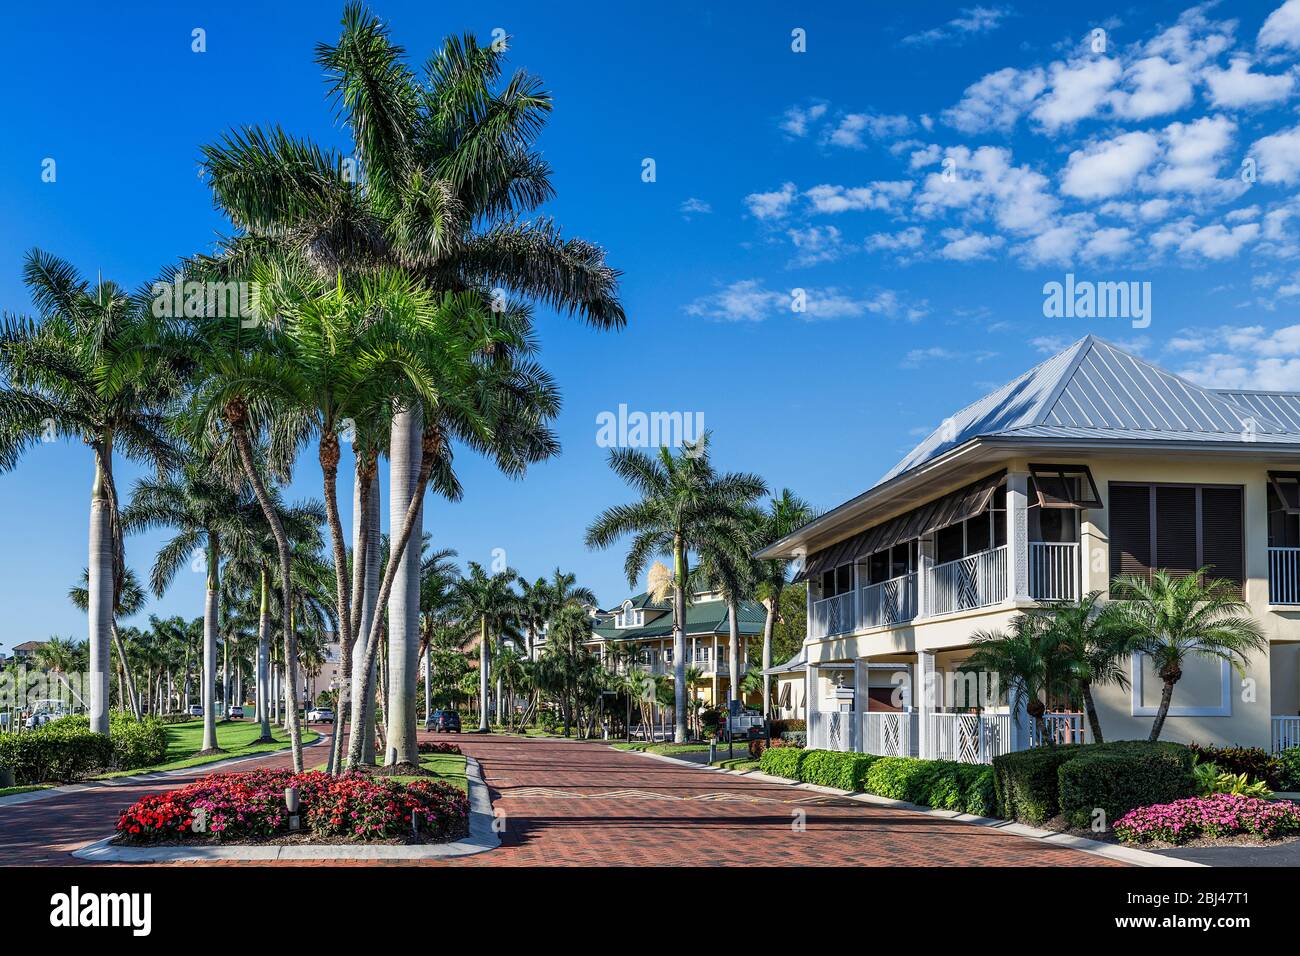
(251, 807)
(438, 747)
(1220, 816)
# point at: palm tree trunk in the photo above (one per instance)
(404, 454)
(483, 675)
(428, 686)
(236, 416)
(1090, 707)
(1166, 695)
(679, 640)
(329, 463)
(211, 610)
(769, 626)
(264, 663)
(124, 668)
(733, 650)
(99, 592)
(365, 578)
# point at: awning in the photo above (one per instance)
(955, 506)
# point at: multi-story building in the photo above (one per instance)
(1092, 464)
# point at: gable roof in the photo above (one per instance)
(702, 617)
(1095, 389)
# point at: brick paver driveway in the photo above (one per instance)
(586, 804)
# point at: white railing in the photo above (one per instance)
(967, 738)
(833, 615)
(889, 734)
(889, 602)
(1062, 728)
(1054, 571)
(1286, 733)
(831, 730)
(1284, 575)
(973, 581)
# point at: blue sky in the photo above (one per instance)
(918, 171)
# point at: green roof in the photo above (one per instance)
(702, 617)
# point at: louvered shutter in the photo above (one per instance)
(1130, 530)
(1221, 533)
(1176, 550)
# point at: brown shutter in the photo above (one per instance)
(1221, 533)
(1130, 530)
(1176, 549)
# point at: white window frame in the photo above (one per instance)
(1138, 709)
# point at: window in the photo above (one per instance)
(892, 562)
(837, 581)
(1178, 528)
(1064, 486)
(1283, 523)
(980, 532)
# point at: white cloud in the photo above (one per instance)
(1157, 87)
(1218, 241)
(1282, 28)
(1108, 243)
(1193, 156)
(748, 300)
(797, 119)
(926, 156)
(773, 205)
(1278, 157)
(816, 244)
(996, 101)
(1077, 89)
(903, 240)
(853, 126)
(827, 198)
(1017, 198)
(742, 301)
(1109, 167)
(1237, 86)
(972, 20)
(965, 247)
(695, 207)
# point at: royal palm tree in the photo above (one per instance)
(1170, 618)
(63, 377)
(492, 602)
(726, 565)
(128, 601)
(438, 576)
(1095, 644)
(784, 514)
(684, 503)
(568, 630)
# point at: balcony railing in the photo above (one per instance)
(1054, 571)
(967, 738)
(889, 602)
(889, 734)
(976, 580)
(1286, 733)
(834, 615)
(1284, 575)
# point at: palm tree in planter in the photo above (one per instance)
(1172, 617)
(1029, 664)
(491, 601)
(74, 375)
(205, 513)
(1095, 645)
(784, 514)
(684, 503)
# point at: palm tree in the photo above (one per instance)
(785, 513)
(510, 671)
(1169, 618)
(1095, 644)
(206, 515)
(684, 503)
(64, 376)
(1029, 664)
(438, 578)
(449, 169)
(128, 600)
(568, 630)
(489, 599)
(727, 565)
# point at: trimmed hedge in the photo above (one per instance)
(65, 750)
(966, 788)
(1033, 786)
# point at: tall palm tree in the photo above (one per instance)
(491, 601)
(438, 578)
(128, 600)
(568, 630)
(62, 376)
(1095, 645)
(726, 565)
(1170, 618)
(684, 503)
(784, 514)
(205, 515)
(449, 169)
(1029, 663)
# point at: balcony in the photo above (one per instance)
(889, 602)
(1054, 571)
(1284, 575)
(974, 581)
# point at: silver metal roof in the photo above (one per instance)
(1096, 390)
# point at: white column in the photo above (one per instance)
(924, 562)
(810, 701)
(860, 701)
(714, 702)
(1018, 536)
(923, 698)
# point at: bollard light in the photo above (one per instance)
(291, 804)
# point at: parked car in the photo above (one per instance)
(321, 714)
(195, 710)
(444, 721)
(236, 712)
(43, 711)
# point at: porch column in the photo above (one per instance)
(924, 562)
(1018, 536)
(810, 701)
(923, 698)
(860, 703)
(714, 702)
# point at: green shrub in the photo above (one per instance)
(55, 753)
(898, 778)
(1289, 773)
(1255, 762)
(828, 768)
(1117, 779)
(141, 743)
(1027, 784)
(782, 761)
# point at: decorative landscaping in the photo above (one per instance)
(1219, 817)
(251, 808)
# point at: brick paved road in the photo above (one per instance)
(585, 804)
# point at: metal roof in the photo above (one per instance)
(1096, 390)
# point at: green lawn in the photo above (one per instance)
(10, 791)
(235, 737)
(738, 763)
(666, 749)
(449, 768)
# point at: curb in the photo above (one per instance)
(1110, 851)
(482, 838)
